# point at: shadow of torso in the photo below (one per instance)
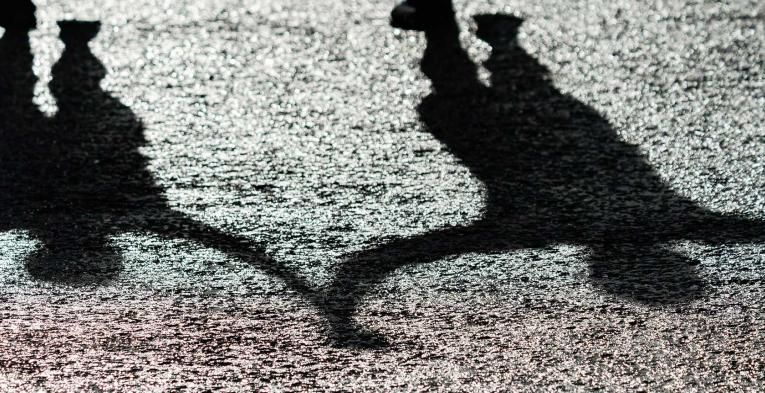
(75, 178)
(86, 158)
(554, 169)
(78, 178)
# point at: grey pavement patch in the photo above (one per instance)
(295, 124)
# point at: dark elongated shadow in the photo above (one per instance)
(555, 172)
(77, 179)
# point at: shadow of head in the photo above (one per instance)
(74, 32)
(17, 15)
(78, 71)
(497, 29)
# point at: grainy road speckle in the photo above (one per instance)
(277, 195)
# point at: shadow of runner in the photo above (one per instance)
(555, 172)
(77, 179)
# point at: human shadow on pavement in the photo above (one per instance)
(555, 172)
(76, 179)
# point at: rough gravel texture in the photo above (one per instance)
(290, 195)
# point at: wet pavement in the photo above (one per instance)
(291, 195)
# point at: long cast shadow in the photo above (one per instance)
(76, 179)
(555, 172)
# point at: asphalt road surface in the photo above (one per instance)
(291, 195)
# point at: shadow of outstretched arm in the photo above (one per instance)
(171, 224)
(452, 73)
(361, 271)
(715, 228)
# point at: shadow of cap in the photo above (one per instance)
(497, 29)
(74, 31)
